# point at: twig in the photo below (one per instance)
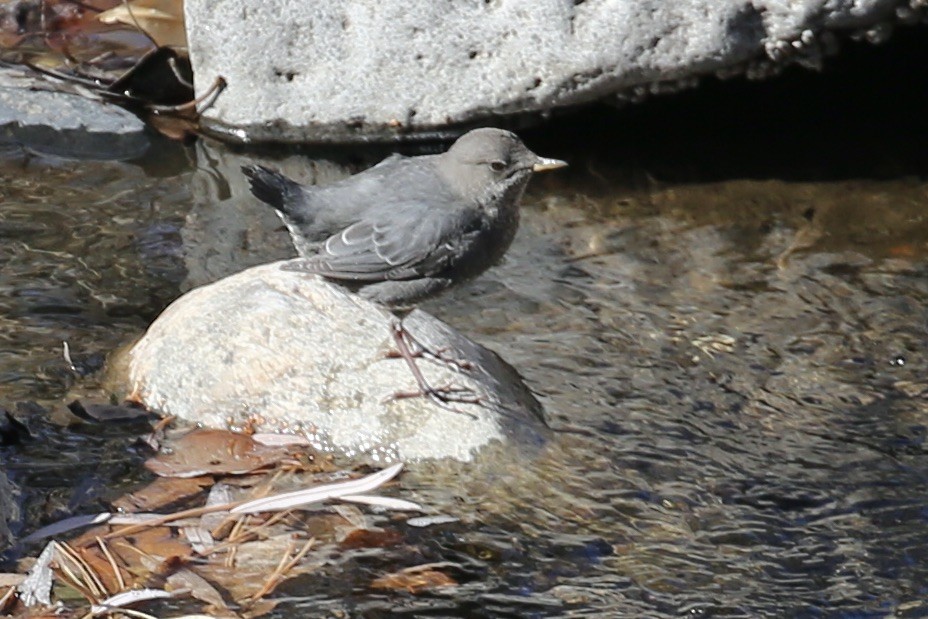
(116, 571)
(5, 600)
(283, 567)
(172, 63)
(230, 558)
(89, 576)
(187, 513)
(79, 583)
(151, 39)
(212, 94)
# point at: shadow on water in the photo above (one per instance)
(727, 294)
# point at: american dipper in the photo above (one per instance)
(409, 227)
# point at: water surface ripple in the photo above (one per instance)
(736, 370)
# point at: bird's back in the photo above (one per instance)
(399, 182)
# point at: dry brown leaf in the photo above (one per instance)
(173, 127)
(103, 569)
(11, 580)
(415, 580)
(156, 551)
(199, 587)
(215, 452)
(254, 562)
(162, 492)
(372, 538)
(162, 20)
(9, 599)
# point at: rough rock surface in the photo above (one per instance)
(9, 510)
(345, 70)
(41, 119)
(287, 352)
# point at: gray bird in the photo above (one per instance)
(409, 227)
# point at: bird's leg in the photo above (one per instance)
(443, 396)
(417, 350)
(439, 355)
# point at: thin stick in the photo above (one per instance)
(116, 571)
(230, 558)
(172, 63)
(272, 579)
(282, 568)
(68, 575)
(212, 94)
(187, 513)
(151, 39)
(89, 575)
(5, 600)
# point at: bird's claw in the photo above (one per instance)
(444, 397)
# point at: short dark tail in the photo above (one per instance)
(272, 187)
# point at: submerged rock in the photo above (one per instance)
(36, 116)
(9, 510)
(352, 71)
(284, 351)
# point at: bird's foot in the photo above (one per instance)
(445, 396)
(440, 356)
(418, 350)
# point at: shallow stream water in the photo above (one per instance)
(734, 362)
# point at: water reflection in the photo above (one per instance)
(736, 368)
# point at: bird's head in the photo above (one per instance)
(492, 163)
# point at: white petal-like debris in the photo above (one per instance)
(291, 500)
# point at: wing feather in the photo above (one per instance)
(404, 243)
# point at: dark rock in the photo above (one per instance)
(35, 116)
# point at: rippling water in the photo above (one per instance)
(735, 368)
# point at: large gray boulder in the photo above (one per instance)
(282, 351)
(346, 70)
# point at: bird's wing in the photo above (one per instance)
(402, 243)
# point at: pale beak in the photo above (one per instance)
(543, 164)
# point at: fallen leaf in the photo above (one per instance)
(415, 579)
(162, 20)
(199, 587)
(94, 558)
(11, 580)
(162, 492)
(215, 452)
(8, 600)
(173, 127)
(299, 498)
(372, 538)
(159, 77)
(128, 598)
(155, 552)
(37, 588)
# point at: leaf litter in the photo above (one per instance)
(213, 527)
(133, 53)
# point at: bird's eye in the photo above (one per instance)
(498, 166)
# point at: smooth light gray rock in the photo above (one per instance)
(35, 115)
(285, 351)
(348, 70)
